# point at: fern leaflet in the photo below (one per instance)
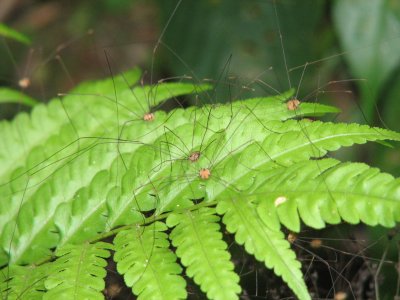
(78, 272)
(203, 252)
(328, 191)
(267, 245)
(148, 266)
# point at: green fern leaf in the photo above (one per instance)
(107, 86)
(8, 95)
(267, 245)
(89, 164)
(30, 232)
(22, 282)
(285, 135)
(201, 249)
(79, 219)
(294, 141)
(47, 120)
(328, 191)
(8, 32)
(78, 272)
(148, 266)
(275, 108)
(126, 202)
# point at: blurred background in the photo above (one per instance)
(344, 53)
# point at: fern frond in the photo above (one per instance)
(24, 195)
(22, 282)
(328, 191)
(78, 272)
(78, 175)
(275, 109)
(29, 233)
(294, 141)
(203, 252)
(267, 245)
(288, 142)
(148, 266)
(47, 120)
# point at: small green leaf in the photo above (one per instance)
(8, 95)
(13, 34)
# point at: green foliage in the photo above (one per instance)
(78, 272)
(148, 266)
(202, 251)
(329, 192)
(13, 96)
(88, 166)
(269, 246)
(8, 32)
(23, 282)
